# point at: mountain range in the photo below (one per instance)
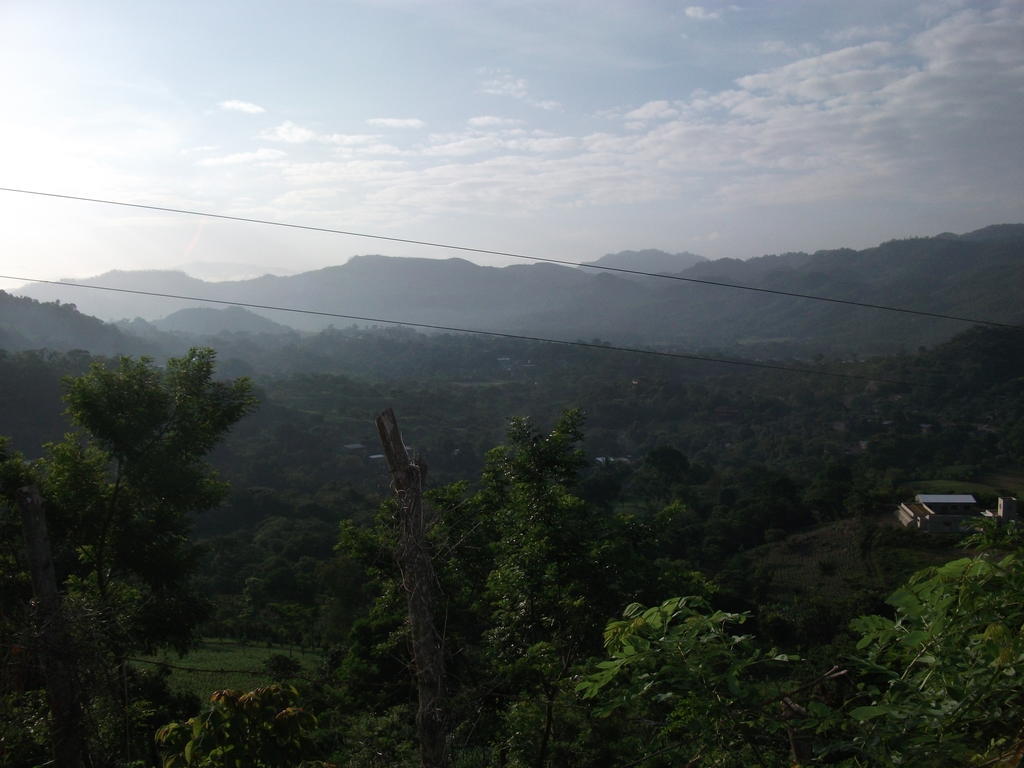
(978, 274)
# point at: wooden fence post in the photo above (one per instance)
(419, 580)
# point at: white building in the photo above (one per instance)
(950, 512)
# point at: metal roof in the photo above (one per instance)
(946, 498)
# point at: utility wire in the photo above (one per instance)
(508, 254)
(475, 331)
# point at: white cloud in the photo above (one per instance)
(653, 110)
(701, 13)
(504, 84)
(240, 158)
(856, 68)
(470, 145)
(196, 150)
(491, 121)
(289, 132)
(349, 139)
(234, 105)
(377, 148)
(396, 122)
(547, 145)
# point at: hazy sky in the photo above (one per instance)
(558, 129)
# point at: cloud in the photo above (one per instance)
(348, 139)
(700, 13)
(469, 145)
(546, 145)
(652, 110)
(195, 150)
(376, 148)
(234, 105)
(504, 84)
(923, 119)
(396, 122)
(289, 133)
(854, 69)
(240, 158)
(490, 121)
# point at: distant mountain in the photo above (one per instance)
(111, 305)
(229, 270)
(977, 274)
(991, 234)
(439, 291)
(207, 321)
(650, 260)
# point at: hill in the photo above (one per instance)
(649, 260)
(976, 274)
(207, 321)
(29, 324)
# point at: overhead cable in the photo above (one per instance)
(509, 254)
(475, 331)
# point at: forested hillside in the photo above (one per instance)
(28, 324)
(764, 495)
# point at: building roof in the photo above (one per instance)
(946, 498)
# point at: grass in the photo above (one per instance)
(835, 561)
(1011, 481)
(948, 486)
(215, 664)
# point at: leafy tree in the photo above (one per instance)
(119, 494)
(123, 489)
(551, 564)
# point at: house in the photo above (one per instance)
(951, 512)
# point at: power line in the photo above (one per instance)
(509, 254)
(475, 331)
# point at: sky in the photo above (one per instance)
(556, 129)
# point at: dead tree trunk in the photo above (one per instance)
(55, 649)
(422, 591)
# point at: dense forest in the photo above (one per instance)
(633, 560)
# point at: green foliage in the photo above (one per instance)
(263, 728)
(940, 682)
(682, 664)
